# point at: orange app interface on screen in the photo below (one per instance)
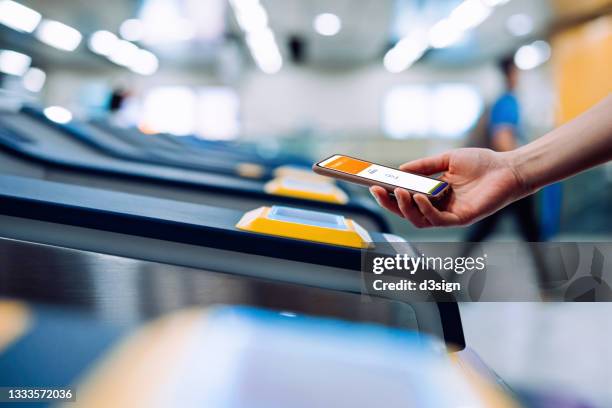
(382, 174)
(346, 164)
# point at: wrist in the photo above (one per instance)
(521, 161)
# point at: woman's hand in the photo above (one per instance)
(481, 182)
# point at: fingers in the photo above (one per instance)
(428, 165)
(434, 216)
(415, 208)
(409, 209)
(384, 200)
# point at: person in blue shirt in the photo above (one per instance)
(504, 134)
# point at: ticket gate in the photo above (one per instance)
(243, 151)
(33, 149)
(153, 149)
(196, 236)
(166, 150)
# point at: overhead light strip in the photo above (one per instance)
(18, 17)
(444, 33)
(253, 20)
(123, 52)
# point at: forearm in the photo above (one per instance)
(580, 144)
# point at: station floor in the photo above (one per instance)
(555, 347)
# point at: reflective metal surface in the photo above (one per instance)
(128, 291)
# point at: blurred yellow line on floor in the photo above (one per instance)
(15, 319)
(134, 372)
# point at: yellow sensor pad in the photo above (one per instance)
(307, 189)
(306, 225)
(250, 170)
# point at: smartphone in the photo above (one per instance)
(370, 174)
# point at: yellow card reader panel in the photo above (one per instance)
(250, 170)
(306, 189)
(306, 225)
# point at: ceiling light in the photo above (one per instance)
(18, 17)
(34, 79)
(404, 54)
(532, 55)
(495, 3)
(132, 29)
(393, 62)
(129, 55)
(252, 17)
(164, 23)
(327, 24)
(58, 35)
(123, 53)
(58, 114)
(144, 62)
(264, 50)
(102, 42)
(444, 34)
(519, 24)
(253, 21)
(14, 63)
(469, 14)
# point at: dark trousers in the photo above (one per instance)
(523, 213)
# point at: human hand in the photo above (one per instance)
(482, 181)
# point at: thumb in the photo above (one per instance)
(427, 165)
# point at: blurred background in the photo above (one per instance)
(385, 80)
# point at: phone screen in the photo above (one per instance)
(375, 172)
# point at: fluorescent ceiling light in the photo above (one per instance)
(469, 14)
(519, 24)
(144, 62)
(129, 55)
(393, 62)
(495, 3)
(164, 23)
(264, 50)
(14, 63)
(18, 17)
(444, 34)
(532, 55)
(327, 24)
(404, 54)
(58, 35)
(103, 42)
(58, 114)
(253, 20)
(132, 29)
(251, 16)
(123, 53)
(34, 79)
